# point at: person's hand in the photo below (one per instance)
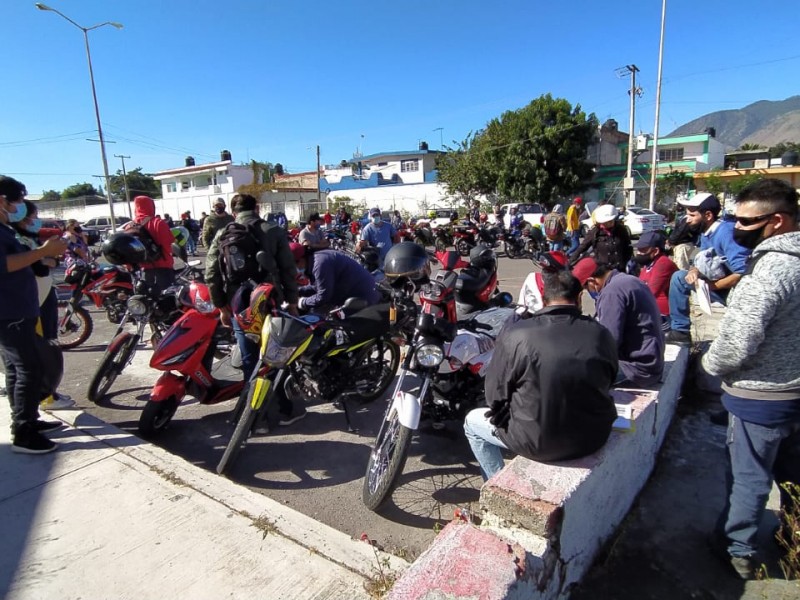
(54, 247)
(499, 414)
(292, 310)
(692, 276)
(225, 317)
(50, 263)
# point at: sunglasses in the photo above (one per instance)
(747, 221)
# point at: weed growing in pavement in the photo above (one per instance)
(265, 525)
(380, 584)
(169, 476)
(788, 536)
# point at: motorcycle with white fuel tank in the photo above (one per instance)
(441, 376)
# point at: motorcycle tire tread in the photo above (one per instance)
(84, 316)
(374, 500)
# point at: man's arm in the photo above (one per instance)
(207, 234)
(324, 285)
(287, 270)
(611, 313)
(216, 285)
(583, 247)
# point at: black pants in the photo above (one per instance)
(49, 316)
(159, 279)
(22, 365)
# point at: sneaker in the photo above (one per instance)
(57, 402)
(45, 426)
(746, 567)
(30, 441)
(296, 415)
(680, 338)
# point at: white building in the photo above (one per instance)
(194, 187)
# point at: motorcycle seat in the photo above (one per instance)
(369, 322)
(473, 280)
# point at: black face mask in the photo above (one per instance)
(749, 239)
(643, 259)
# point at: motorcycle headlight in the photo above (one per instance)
(204, 306)
(277, 356)
(136, 306)
(429, 356)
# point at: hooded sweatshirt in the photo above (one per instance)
(755, 353)
(145, 215)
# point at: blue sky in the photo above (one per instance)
(271, 79)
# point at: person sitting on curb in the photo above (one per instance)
(628, 309)
(718, 248)
(538, 408)
(656, 270)
(755, 355)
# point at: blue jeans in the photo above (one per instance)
(555, 246)
(679, 292)
(247, 348)
(574, 241)
(483, 441)
(191, 245)
(22, 369)
(757, 455)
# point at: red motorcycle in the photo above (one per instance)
(107, 287)
(465, 238)
(186, 353)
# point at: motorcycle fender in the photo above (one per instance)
(408, 409)
(118, 341)
(167, 386)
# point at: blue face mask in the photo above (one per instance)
(34, 226)
(376, 220)
(594, 295)
(18, 213)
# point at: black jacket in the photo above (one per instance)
(612, 248)
(554, 372)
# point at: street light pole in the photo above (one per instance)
(654, 166)
(125, 181)
(86, 31)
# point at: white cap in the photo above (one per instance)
(605, 213)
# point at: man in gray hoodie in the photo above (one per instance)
(755, 355)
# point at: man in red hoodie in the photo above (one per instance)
(158, 273)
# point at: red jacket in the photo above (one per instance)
(145, 214)
(657, 276)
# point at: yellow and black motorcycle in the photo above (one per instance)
(351, 354)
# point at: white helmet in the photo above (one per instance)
(605, 214)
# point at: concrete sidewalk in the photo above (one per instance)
(110, 516)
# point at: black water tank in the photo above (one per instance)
(711, 131)
(225, 155)
(789, 158)
(190, 161)
(423, 145)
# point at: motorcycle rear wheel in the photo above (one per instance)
(75, 328)
(111, 365)
(386, 461)
(388, 369)
(156, 416)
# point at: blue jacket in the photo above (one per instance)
(336, 278)
(19, 298)
(628, 309)
(721, 239)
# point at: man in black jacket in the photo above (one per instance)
(547, 385)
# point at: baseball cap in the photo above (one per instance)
(702, 202)
(374, 211)
(584, 269)
(605, 213)
(219, 202)
(651, 239)
(578, 200)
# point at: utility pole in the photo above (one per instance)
(630, 195)
(654, 165)
(441, 137)
(319, 193)
(125, 182)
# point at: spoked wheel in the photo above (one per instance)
(463, 247)
(75, 325)
(112, 364)
(511, 249)
(376, 370)
(257, 400)
(156, 416)
(386, 461)
(440, 244)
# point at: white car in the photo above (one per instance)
(440, 218)
(637, 220)
(532, 212)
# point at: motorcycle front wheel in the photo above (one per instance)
(156, 416)
(511, 249)
(75, 325)
(379, 361)
(440, 245)
(111, 365)
(386, 461)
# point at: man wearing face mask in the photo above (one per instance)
(755, 355)
(718, 243)
(217, 220)
(608, 241)
(379, 234)
(656, 270)
(19, 311)
(626, 307)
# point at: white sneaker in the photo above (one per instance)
(57, 402)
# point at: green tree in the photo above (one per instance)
(747, 147)
(459, 170)
(669, 187)
(781, 148)
(78, 190)
(139, 184)
(50, 196)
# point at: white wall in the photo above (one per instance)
(413, 198)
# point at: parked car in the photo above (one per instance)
(50, 228)
(532, 212)
(437, 217)
(637, 220)
(97, 226)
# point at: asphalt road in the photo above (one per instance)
(315, 466)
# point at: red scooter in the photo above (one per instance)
(186, 353)
(107, 287)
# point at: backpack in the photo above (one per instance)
(139, 231)
(553, 226)
(238, 245)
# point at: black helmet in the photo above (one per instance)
(407, 259)
(124, 249)
(482, 257)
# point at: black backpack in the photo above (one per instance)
(238, 245)
(139, 231)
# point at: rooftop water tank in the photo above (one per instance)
(190, 161)
(225, 155)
